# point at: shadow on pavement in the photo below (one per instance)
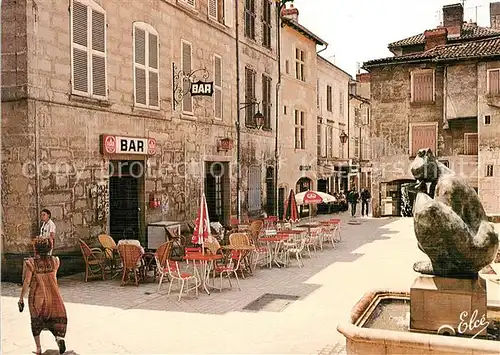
(288, 281)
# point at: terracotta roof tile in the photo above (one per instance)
(469, 31)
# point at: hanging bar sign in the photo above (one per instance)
(202, 88)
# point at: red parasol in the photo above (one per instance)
(202, 224)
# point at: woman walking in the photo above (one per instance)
(45, 302)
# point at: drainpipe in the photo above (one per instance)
(238, 117)
(279, 6)
(37, 161)
(348, 141)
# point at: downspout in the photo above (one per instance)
(348, 141)
(238, 117)
(279, 6)
(323, 49)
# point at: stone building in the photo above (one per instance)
(99, 124)
(297, 131)
(359, 132)
(440, 90)
(332, 121)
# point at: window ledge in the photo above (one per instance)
(217, 23)
(153, 112)
(89, 100)
(188, 116)
(422, 103)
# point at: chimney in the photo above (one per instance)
(434, 38)
(453, 18)
(495, 15)
(291, 13)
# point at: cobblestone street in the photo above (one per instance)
(105, 318)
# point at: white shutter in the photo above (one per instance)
(153, 70)
(98, 53)
(190, 2)
(140, 86)
(187, 101)
(212, 9)
(80, 47)
(139, 68)
(228, 12)
(254, 187)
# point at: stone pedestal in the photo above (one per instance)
(448, 306)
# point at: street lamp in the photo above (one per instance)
(258, 119)
(343, 140)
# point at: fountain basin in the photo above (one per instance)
(396, 337)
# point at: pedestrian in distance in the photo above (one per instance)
(365, 198)
(46, 305)
(48, 229)
(353, 199)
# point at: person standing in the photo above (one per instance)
(46, 305)
(365, 198)
(48, 229)
(353, 198)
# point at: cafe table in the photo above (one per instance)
(205, 263)
(246, 251)
(277, 240)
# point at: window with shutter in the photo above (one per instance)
(187, 100)
(471, 143)
(329, 98)
(341, 103)
(422, 86)
(228, 12)
(266, 100)
(213, 9)
(254, 188)
(146, 82)
(218, 87)
(88, 50)
(423, 136)
(266, 23)
(250, 18)
(249, 96)
(494, 82)
(190, 2)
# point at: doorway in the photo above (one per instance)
(270, 209)
(217, 191)
(125, 188)
(281, 202)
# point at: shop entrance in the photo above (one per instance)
(217, 191)
(125, 188)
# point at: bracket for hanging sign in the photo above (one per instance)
(189, 83)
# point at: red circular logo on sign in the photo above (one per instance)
(151, 146)
(110, 144)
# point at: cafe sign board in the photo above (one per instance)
(111, 144)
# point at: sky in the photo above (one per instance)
(360, 30)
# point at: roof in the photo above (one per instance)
(333, 65)
(469, 31)
(485, 48)
(298, 27)
(359, 98)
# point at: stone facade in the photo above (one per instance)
(51, 136)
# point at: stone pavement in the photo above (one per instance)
(104, 318)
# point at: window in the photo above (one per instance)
(300, 130)
(218, 87)
(187, 100)
(318, 137)
(213, 9)
(423, 136)
(300, 64)
(266, 23)
(494, 81)
(254, 187)
(287, 66)
(329, 98)
(190, 2)
(341, 103)
(146, 57)
(317, 94)
(218, 10)
(366, 116)
(471, 143)
(284, 110)
(489, 170)
(266, 100)
(88, 50)
(356, 147)
(250, 18)
(487, 119)
(422, 86)
(249, 96)
(329, 141)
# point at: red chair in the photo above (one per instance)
(270, 222)
(231, 267)
(337, 223)
(188, 251)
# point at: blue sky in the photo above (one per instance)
(359, 30)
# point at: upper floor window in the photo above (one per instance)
(329, 98)
(266, 23)
(329, 140)
(489, 170)
(422, 86)
(319, 137)
(341, 103)
(218, 87)
(249, 96)
(266, 100)
(146, 58)
(250, 18)
(88, 49)
(356, 147)
(187, 59)
(300, 130)
(220, 11)
(422, 136)
(471, 143)
(300, 62)
(190, 2)
(493, 81)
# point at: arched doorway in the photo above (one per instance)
(270, 206)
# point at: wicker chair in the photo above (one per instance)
(241, 239)
(131, 256)
(255, 230)
(110, 251)
(161, 257)
(94, 261)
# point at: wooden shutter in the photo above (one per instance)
(80, 47)
(153, 70)
(212, 9)
(140, 72)
(191, 2)
(217, 87)
(228, 13)
(249, 95)
(494, 82)
(471, 144)
(254, 201)
(329, 98)
(98, 53)
(187, 101)
(423, 136)
(423, 86)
